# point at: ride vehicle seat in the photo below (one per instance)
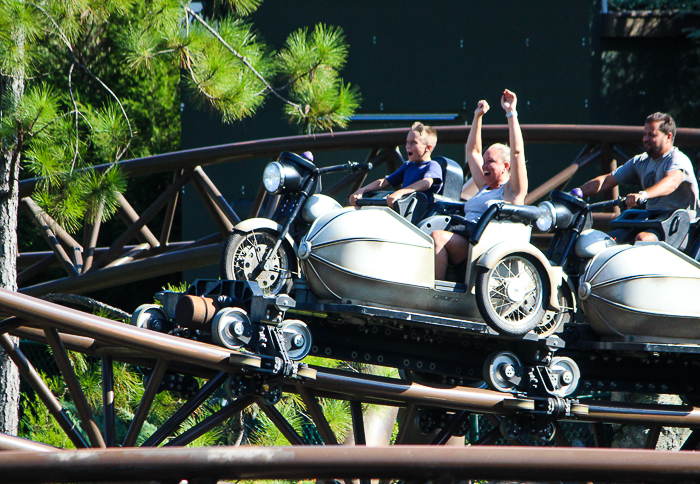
(670, 227)
(419, 205)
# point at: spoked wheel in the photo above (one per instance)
(243, 260)
(511, 296)
(552, 321)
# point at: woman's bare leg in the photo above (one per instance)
(449, 248)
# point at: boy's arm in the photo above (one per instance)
(375, 185)
(419, 186)
(475, 158)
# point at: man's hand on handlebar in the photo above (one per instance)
(634, 199)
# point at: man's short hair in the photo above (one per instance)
(666, 123)
(428, 133)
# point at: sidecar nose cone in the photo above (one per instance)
(584, 291)
(304, 250)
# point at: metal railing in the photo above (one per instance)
(91, 268)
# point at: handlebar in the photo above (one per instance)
(349, 167)
(618, 202)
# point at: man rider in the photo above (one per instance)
(664, 172)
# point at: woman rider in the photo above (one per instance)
(499, 174)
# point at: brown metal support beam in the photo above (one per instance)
(211, 422)
(560, 437)
(215, 195)
(154, 381)
(159, 265)
(42, 390)
(81, 404)
(427, 463)
(169, 215)
(111, 332)
(10, 442)
(489, 438)
(406, 423)
(92, 230)
(47, 231)
(652, 437)
(145, 217)
(134, 253)
(358, 422)
(317, 416)
(130, 217)
(186, 410)
(564, 176)
(45, 220)
(599, 438)
(36, 268)
(281, 423)
(446, 433)
(223, 225)
(9, 325)
(257, 203)
(692, 442)
(108, 401)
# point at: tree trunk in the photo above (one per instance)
(12, 88)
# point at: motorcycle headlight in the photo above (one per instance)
(280, 176)
(547, 217)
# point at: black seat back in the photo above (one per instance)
(672, 227)
(452, 178)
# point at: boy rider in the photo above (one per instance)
(418, 174)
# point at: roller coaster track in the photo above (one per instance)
(160, 458)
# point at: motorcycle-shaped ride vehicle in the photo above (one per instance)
(628, 292)
(264, 250)
(365, 291)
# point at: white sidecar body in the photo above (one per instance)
(375, 257)
(645, 292)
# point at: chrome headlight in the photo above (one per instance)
(272, 177)
(280, 176)
(547, 218)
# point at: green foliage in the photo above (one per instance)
(231, 69)
(79, 109)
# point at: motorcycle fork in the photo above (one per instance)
(303, 195)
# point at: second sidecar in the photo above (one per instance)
(375, 257)
(641, 292)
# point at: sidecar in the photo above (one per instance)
(374, 257)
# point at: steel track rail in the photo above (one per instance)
(103, 336)
(532, 133)
(351, 462)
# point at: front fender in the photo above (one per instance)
(252, 224)
(555, 274)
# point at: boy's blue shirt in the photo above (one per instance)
(411, 172)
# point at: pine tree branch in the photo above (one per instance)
(85, 68)
(245, 62)
(75, 107)
(194, 77)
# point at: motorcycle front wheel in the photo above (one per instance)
(511, 297)
(243, 255)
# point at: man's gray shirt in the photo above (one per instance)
(642, 170)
